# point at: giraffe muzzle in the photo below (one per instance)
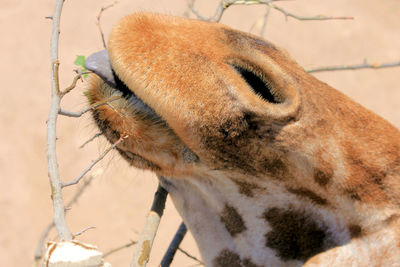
(99, 63)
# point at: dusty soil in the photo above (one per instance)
(118, 199)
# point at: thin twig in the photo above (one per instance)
(108, 253)
(94, 162)
(104, 8)
(265, 19)
(39, 251)
(219, 12)
(92, 107)
(91, 139)
(187, 11)
(215, 18)
(221, 8)
(54, 176)
(74, 199)
(174, 245)
(364, 65)
(191, 256)
(73, 84)
(146, 238)
(83, 230)
(224, 5)
(318, 17)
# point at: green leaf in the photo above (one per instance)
(80, 61)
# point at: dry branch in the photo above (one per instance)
(199, 262)
(46, 231)
(83, 230)
(318, 17)
(108, 253)
(216, 17)
(146, 238)
(104, 8)
(224, 5)
(91, 139)
(174, 245)
(39, 247)
(94, 162)
(364, 65)
(54, 176)
(92, 107)
(265, 18)
(73, 84)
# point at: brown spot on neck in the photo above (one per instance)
(295, 235)
(275, 167)
(228, 258)
(246, 188)
(249, 263)
(304, 192)
(232, 220)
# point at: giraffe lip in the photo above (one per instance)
(99, 63)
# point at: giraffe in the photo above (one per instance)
(267, 165)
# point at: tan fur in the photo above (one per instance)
(310, 180)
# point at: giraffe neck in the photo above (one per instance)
(246, 223)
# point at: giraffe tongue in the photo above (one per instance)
(99, 63)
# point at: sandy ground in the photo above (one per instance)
(117, 201)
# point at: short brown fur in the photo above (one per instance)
(304, 177)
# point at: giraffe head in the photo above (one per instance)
(242, 131)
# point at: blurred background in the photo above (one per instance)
(119, 197)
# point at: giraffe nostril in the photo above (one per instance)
(259, 86)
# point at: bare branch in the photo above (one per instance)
(108, 253)
(74, 81)
(104, 8)
(54, 176)
(91, 139)
(146, 238)
(39, 251)
(219, 12)
(265, 18)
(216, 17)
(191, 256)
(174, 245)
(83, 230)
(318, 17)
(94, 106)
(74, 199)
(224, 5)
(72, 114)
(94, 162)
(364, 65)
